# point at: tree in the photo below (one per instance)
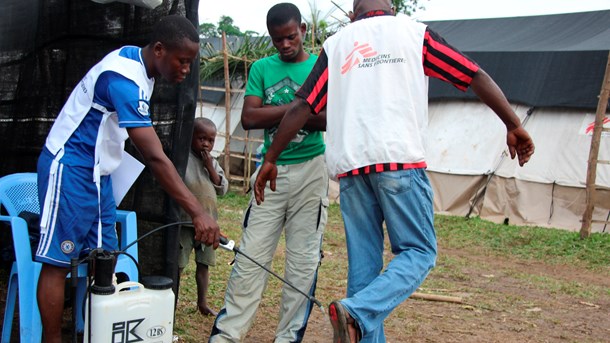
(226, 24)
(208, 30)
(318, 27)
(251, 33)
(407, 7)
(241, 56)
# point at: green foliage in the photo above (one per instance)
(251, 33)
(408, 7)
(319, 27)
(241, 56)
(208, 30)
(234, 200)
(226, 24)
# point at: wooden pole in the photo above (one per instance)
(200, 101)
(248, 159)
(313, 35)
(585, 230)
(434, 297)
(227, 107)
(247, 162)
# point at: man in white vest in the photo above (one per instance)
(372, 79)
(85, 145)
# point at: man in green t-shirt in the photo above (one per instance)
(300, 207)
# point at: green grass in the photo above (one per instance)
(552, 246)
(549, 245)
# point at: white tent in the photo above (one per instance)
(551, 69)
(472, 173)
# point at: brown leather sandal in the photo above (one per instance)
(341, 320)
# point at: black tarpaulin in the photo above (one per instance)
(46, 47)
(543, 61)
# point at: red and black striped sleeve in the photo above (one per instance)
(442, 61)
(314, 89)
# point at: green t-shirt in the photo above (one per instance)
(275, 82)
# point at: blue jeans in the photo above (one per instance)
(403, 199)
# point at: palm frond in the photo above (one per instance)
(242, 52)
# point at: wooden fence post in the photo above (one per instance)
(225, 54)
(585, 230)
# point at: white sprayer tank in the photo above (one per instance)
(132, 312)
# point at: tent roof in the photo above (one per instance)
(585, 31)
(544, 61)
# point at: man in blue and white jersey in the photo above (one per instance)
(85, 145)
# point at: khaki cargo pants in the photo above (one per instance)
(298, 208)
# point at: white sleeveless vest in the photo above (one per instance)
(111, 138)
(377, 109)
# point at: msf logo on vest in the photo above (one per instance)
(363, 56)
(360, 53)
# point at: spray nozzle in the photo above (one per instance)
(227, 244)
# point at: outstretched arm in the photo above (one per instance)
(147, 142)
(519, 142)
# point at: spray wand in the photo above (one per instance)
(229, 245)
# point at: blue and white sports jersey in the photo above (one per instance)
(116, 93)
(86, 144)
(90, 130)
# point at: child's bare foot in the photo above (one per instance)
(206, 311)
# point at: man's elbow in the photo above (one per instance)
(158, 162)
(246, 123)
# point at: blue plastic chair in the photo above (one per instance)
(18, 193)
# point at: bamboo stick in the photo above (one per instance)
(435, 297)
(585, 229)
(227, 107)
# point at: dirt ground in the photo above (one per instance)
(502, 301)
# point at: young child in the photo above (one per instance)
(205, 179)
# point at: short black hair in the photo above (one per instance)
(205, 122)
(283, 13)
(171, 31)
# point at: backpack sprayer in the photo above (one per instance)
(130, 311)
(133, 311)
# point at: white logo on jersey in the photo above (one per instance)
(143, 108)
